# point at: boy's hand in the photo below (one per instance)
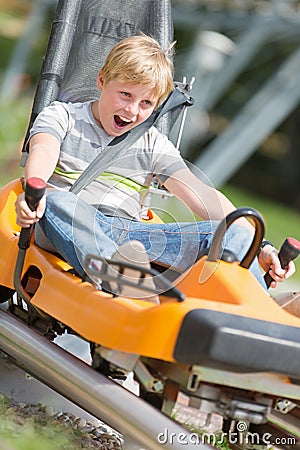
(269, 261)
(26, 217)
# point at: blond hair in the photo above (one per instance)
(141, 60)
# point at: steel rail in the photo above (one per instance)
(88, 389)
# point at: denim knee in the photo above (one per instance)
(238, 239)
(60, 201)
(243, 233)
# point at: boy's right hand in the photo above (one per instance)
(26, 217)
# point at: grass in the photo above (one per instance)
(33, 438)
(280, 220)
(26, 432)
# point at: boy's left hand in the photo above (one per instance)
(269, 261)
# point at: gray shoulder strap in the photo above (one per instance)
(179, 97)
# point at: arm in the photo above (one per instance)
(43, 156)
(44, 151)
(205, 201)
(210, 204)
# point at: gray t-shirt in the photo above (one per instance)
(125, 183)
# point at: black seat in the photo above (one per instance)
(82, 33)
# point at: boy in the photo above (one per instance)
(135, 78)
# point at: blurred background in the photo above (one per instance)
(242, 132)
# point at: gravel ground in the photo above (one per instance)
(65, 431)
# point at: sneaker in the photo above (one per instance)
(132, 252)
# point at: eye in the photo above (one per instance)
(147, 103)
(125, 94)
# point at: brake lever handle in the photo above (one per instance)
(34, 190)
(289, 250)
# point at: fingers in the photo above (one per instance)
(26, 217)
(41, 207)
(278, 273)
(282, 274)
(273, 284)
(270, 263)
(290, 270)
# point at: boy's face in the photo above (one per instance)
(122, 105)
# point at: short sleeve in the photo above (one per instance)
(53, 119)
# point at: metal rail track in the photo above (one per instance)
(75, 380)
(286, 429)
(88, 392)
(281, 431)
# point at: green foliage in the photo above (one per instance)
(15, 28)
(18, 434)
(23, 429)
(280, 220)
(13, 123)
(28, 438)
(7, 44)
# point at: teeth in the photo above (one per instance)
(125, 119)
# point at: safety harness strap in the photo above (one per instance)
(179, 98)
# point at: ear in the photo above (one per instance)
(100, 81)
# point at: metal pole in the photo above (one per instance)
(260, 116)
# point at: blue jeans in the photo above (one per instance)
(76, 229)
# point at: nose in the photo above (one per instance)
(132, 108)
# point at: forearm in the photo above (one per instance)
(43, 157)
(205, 201)
(228, 207)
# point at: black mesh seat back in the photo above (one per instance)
(82, 33)
(101, 24)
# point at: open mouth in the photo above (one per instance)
(121, 121)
